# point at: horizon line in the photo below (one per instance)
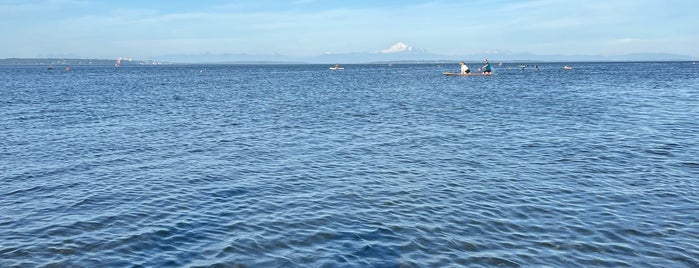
(141, 62)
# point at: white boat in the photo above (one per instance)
(337, 67)
(466, 74)
(118, 62)
(567, 67)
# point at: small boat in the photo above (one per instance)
(50, 67)
(337, 67)
(567, 67)
(466, 74)
(118, 62)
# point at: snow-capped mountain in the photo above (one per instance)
(397, 52)
(398, 47)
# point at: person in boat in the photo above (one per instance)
(536, 67)
(67, 68)
(487, 69)
(464, 68)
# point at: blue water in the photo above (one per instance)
(300, 166)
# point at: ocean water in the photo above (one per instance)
(371, 166)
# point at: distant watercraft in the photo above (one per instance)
(567, 67)
(50, 67)
(118, 62)
(337, 67)
(67, 68)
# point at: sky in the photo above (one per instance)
(149, 29)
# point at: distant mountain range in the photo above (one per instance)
(399, 52)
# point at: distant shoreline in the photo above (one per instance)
(72, 61)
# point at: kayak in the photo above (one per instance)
(468, 74)
(337, 68)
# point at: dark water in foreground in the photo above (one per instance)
(371, 166)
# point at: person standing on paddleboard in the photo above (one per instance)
(487, 69)
(464, 68)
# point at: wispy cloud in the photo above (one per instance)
(626, 40)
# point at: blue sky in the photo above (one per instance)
(148, 29)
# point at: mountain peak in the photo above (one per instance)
(398, 47)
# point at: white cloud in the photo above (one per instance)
(626, 40)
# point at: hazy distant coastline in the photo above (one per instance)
(73, 61)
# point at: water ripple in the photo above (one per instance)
(241, 166)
